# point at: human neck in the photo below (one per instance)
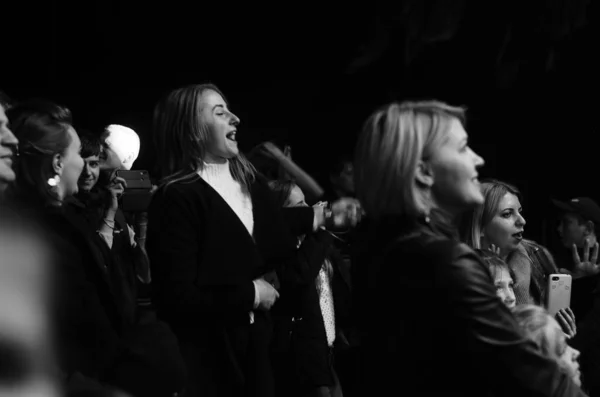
(210, 159)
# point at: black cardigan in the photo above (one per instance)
(203, 262)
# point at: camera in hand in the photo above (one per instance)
(138, 193)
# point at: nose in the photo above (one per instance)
(521, 221)
(510, 296)
(576, 354)
(235, 120)
(479, 161)
(7, 138)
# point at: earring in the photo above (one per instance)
(54, 181)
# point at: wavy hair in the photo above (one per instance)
(181, 136)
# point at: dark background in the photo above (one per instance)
(308, 74)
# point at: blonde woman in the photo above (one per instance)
(429, 312)
(215, 236)
(548, 335)
(499, 222)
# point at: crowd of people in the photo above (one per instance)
(243, 276)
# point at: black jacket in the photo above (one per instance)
(432, 323)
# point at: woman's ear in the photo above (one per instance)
(424, 174)
(57, 164)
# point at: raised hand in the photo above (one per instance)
(586, 266)
(566, 319)
(494, 249)
(116, 187)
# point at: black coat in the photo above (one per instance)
(96, 342)
(432, 322)
(203, 262)
(303, 323)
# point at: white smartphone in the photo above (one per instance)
(559, 293)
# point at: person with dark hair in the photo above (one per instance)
(316, 311)
(8, 146)
(90, 152)
(341, 178)
(90, 320)
(214, 237)
(429, 313)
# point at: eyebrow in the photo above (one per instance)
(219, 106)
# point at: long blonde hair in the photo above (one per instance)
(181, 135)
(393, 141)
(473, 222)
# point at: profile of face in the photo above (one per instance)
(89, 174)
(505, 230)
(69, 166)
(296, 198)
(453, 170)
(572, 231)
(222, 126)
(8, 145)
(344, 181)
(565, 354)
(109, 159)
(25, 339)
(505, 286)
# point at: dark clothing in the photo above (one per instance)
(431, 321)
(587, 340)
(203, 262)
(96, 343)
(301, 322)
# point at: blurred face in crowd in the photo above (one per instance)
(109, 160)
(344, 181)
(296, 198)
(573, 230)
(69, 166)
(566, 355)
(89, 175)
(453, 167)
(8, 146)
(504, 286)
(222, 127)
(505, 230)
(26, 354)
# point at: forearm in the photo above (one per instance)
(309, 185)
(107, 227)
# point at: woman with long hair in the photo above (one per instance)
(90, 323)
(430, 316)
(499, 221)
(215, 237)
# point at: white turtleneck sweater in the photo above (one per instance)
(219, 177)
